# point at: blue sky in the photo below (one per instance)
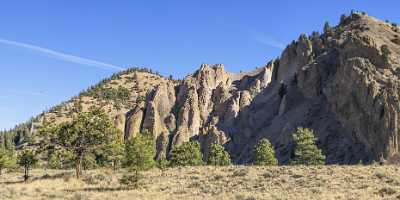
(50, 50)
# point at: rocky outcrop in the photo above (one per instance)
(344, 84)
(345, 88)
(134, 121)
(158, 118)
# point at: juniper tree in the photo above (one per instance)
(218, 156)
(188, 154)
(264, 153)
(306, 151)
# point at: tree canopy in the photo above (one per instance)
(264, 153)
(306, 151)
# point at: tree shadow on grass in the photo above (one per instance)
(44, 177)
(52, 177)
(11, 182)
(101, 189)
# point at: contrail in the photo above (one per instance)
(61, 56)
(266, 40)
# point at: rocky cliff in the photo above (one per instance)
(343, 83)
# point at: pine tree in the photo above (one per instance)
(140, 152)
(61, 159)
(188, 154)
(306, 151)
(218, 156)
(264, 153)
(115, 150)
(86, 134)
(4, 159)
(27, 159)
(327, 28)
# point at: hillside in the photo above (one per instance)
(343, 83)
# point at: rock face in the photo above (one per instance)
(344, 84)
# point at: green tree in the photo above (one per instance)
(218, 156)
(306, 151)
(89, 161)
(327, 29)
(27, 159)
(5, 159)
(86, 134)
(140, 152)
(115, 150)
(188, 154)
(264, 153)
(61, 159)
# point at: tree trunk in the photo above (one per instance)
(26, 176)
(1, 171)
(114, 166)
(78, 166)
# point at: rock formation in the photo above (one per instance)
(344, 84)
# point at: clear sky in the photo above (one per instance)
(50, 50)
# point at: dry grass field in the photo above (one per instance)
(234, 182)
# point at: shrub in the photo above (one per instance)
(264, 153)
(131, 180)
(396, 41)
(218, 156)
(162, 163)
(140, 152)
(188, 154)
(306, 151)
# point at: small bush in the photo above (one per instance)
(241, 172)
(306, 151)
(218, 156)
(162, 163)
(386, 191)
(396, 41)
(188, 154)
(131, 180)
(264, 153)
(95, 179)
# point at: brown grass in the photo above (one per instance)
(235, 182)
